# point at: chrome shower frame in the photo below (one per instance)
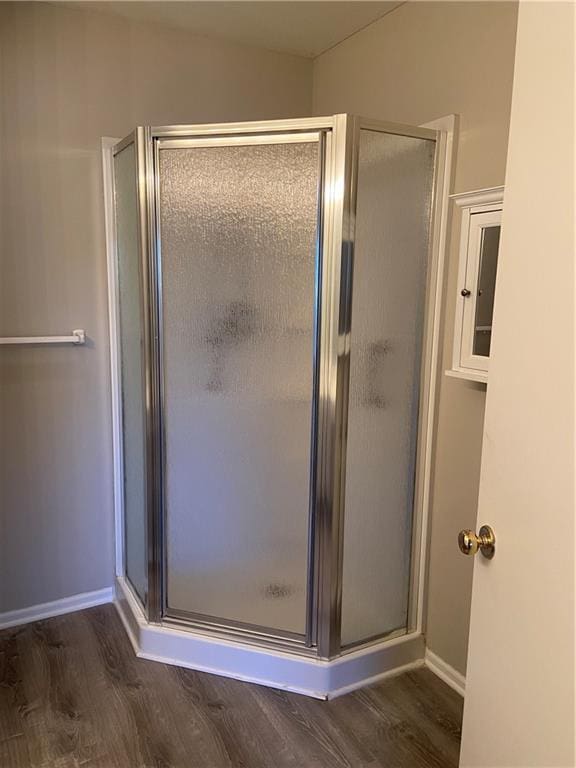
(338, 138)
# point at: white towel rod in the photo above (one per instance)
(78, 337)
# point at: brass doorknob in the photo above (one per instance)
(485, 541)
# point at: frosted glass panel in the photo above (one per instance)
(238, 229)
(391, 244)
(131, 358)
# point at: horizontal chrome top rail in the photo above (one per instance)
(78, 337)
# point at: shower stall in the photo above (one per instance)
(271, 304)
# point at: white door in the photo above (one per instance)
(519, 708)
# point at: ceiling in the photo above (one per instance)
(303, 28)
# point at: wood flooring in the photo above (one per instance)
(73, 694)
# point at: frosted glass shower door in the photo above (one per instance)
(238, 229)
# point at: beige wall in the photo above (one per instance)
(420, 62)
(68, 77)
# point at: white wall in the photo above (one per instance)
(68, 77)
(519, 708)
(422, 61)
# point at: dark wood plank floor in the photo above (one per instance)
(73, 694)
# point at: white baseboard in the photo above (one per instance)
(293, 672)
(445, 672)
(56, 607)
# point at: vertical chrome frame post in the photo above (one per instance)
(333, 380)
(312, 575)
(146, 204)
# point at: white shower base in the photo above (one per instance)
(277, 669)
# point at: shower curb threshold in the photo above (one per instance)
(317, 678)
